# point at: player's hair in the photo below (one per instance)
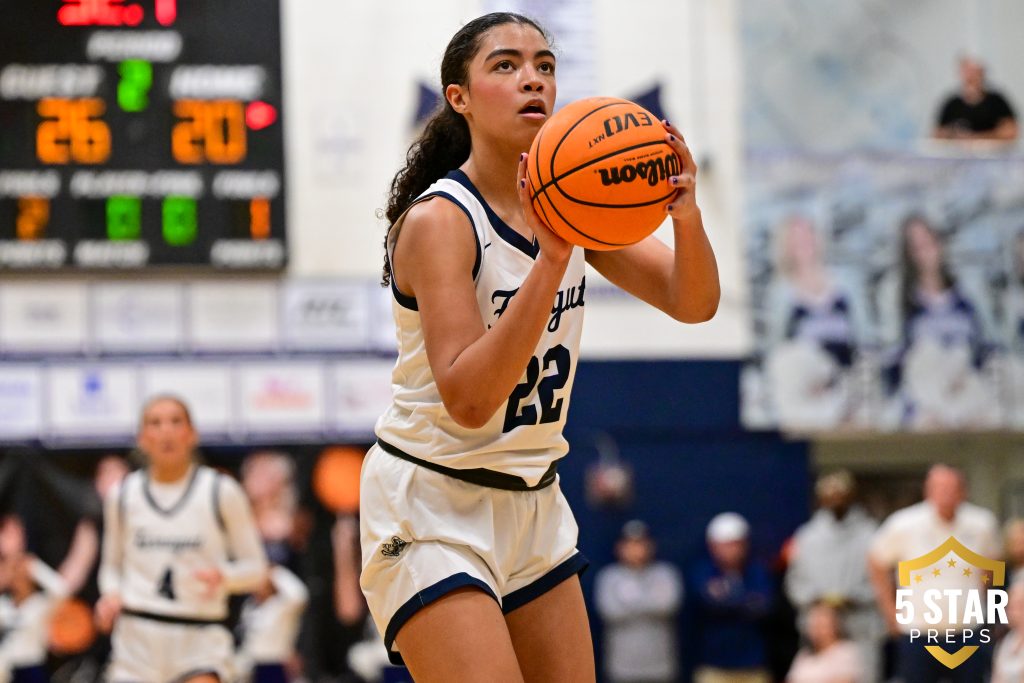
(910, 272)
(445, 143)
(166, 397)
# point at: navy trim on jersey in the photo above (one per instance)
(404, 300)
(476, 239)
(409, 302)
(505, 232)
(216, 504)
(478, 475)
(424, 598)
(166, 619)
(575, 565)
(180, 502)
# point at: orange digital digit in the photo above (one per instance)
(259, 223)
(212, 131)
(53, 137)
(33, 215)
(72, 131)
(187, 136)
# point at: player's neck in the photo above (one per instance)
(168, 474)
(493, 170)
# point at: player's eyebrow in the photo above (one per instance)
(509, 52)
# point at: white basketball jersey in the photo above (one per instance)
(524, 436)
(163, 546)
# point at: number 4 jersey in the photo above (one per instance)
(525, 435)
(158, 535)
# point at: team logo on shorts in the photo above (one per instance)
(394, 548)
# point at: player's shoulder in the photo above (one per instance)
(437, 214)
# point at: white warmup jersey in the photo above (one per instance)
(525, 436)
(162, 546)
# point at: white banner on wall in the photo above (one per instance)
(205, 387)
(282, 397)
(327, 315)
(42, 317)
(92, 401)
(233, 316)
(138, 317)
(21, 402)
(360, 393)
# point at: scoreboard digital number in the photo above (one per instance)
(137, 133)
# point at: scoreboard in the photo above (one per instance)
(137, 133)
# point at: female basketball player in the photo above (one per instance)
(469, 549)
(178, 538)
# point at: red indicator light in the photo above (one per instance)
(99, 13)
(166, 12)
(259, 115)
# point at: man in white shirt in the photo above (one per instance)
(915, 531)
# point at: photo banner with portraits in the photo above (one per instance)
(887, 292)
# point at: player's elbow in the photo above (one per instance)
(697, 310)
(470, 414)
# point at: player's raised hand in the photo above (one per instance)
(551, 245)
(684, 204)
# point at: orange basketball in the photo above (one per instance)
(336, 479)
(599, 171)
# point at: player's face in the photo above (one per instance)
(510, 91)
(166, 436)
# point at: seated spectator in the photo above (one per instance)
(638, 600)
(976, 112)
(828, 563)
(828, 657)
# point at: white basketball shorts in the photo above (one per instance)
(424, 534)
(148, 651)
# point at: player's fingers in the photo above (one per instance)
(683, 150)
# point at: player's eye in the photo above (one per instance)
(546, 67)
(504, 65)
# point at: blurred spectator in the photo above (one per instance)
(828, 564)
(975, 112)
(811, 334)
(915, 531)
(828, 657)
(1013, 545)
(349, 603)
(939, 371)
(269, 627)
(1008, 663)
(638, 599)
(732, 595)
(268, 478)
(33, 591)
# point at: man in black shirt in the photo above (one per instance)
(976, 112)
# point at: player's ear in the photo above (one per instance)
(457, 96)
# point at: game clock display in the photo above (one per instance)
(138, 133)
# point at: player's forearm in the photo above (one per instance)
(483, 375)
(243, 576)
(694, 287)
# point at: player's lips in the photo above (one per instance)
(534, 109)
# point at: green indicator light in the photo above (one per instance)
(180, 221)
(124, 218)
(136, 80)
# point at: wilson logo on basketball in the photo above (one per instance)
(654, 171)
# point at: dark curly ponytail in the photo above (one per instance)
(445, 142)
